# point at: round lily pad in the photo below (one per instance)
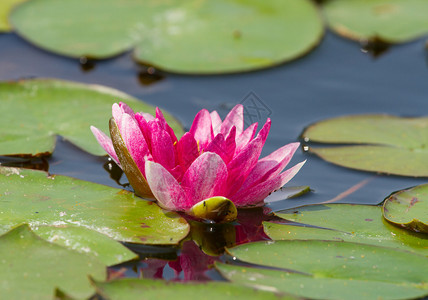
(329, 269)
(35, 111)
(32, 197)
(5, 8)
(32, 268)
(408, 209)
(378, 143)
(392, 21)
(186, 37)
(345, 222)
(131, 288)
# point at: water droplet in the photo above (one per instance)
(149, 75)
(375, 47)
(86, 64)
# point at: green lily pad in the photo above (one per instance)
(32, 197)
(287, 192)
(84, 240)
(392, 21)
(345, 222)
(408, 208)
(33, 268)
(330, 269)
(388, 144)
(35, 111)
(186, 37)
(5, 8)
(131, 288)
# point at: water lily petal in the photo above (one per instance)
(218, 146)
(162, 146)
(202, 128)
(117, 115)
(134, 141)
(234, 118)
(148, 117)
(165, 187)
(106, 143)
(241, 165)
(126, 109)
(264, 132)
(187, 149)
(144, 127)
(205, 178)
(271, 165)
(230, 145)
(245, 137)
(165, 126)
(216, 121)
(255, 195)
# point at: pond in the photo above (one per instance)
(335, 79)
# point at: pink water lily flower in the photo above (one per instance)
(215, 158)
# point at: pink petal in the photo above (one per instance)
(242, 164)
(234, 118)
(162, 146)
(148, 117)
(165, 187)
(246, 136)
(145, 129)
(256, 194)
(271, 165)
(126, 109)
(263, 133)
(187, 149)
(161, 118)
(230, 145)
(117, 114)
(202, 128)
(205, 178)
(134, 141)
(218, 146)
(216, 121)
(106, 143)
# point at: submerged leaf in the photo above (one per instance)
(330, 269)
(33, 268)
(393, 21)
(187, 37)
(408, 208)
(35, 111)
(390, 144)
(131, 288)
(345, 222)
(32, 197)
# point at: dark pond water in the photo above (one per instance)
(335, 79)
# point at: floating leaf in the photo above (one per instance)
(33, 268)
(391, 145)
(409, 209)
(81, 239)
(5, 8)
(187, 37)
(392, 21)
(345, 222)
(31, 197)
(287, 192)
(330, 270)
(35, 111)
(131, 288)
